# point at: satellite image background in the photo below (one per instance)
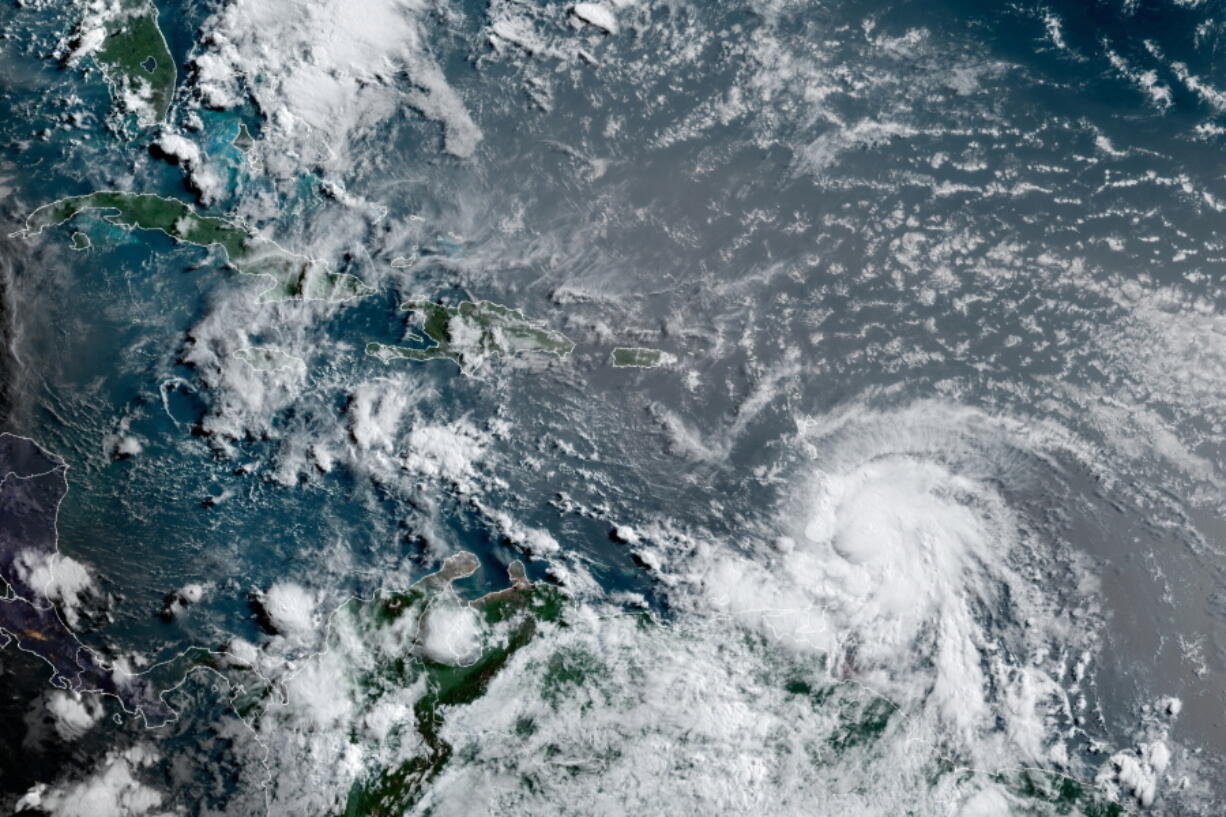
(614, 407)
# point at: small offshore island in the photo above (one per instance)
(471, 333)
(637, 357)
(294, 277)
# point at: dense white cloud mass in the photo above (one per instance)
(113, 790)
(874, 603)
(450, 451)
(451, 634)
(375, 412)
(73, 714)
(597, 15)
(290, 608)
(59, 578)
(323, 73)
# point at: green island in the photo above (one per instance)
(471, 333)
(136, 60)
(639, 357)
(294, 277)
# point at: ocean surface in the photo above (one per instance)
(921, 514)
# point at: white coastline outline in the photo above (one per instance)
(277, 688)
(109, 214)
(114, 85)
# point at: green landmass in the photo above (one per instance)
(862, 715)
(294, 277)
(639, 357)
(518, 610)
(1065, 794)
(136, 60)
(80, 241)
(390, 626)
(471, 333)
